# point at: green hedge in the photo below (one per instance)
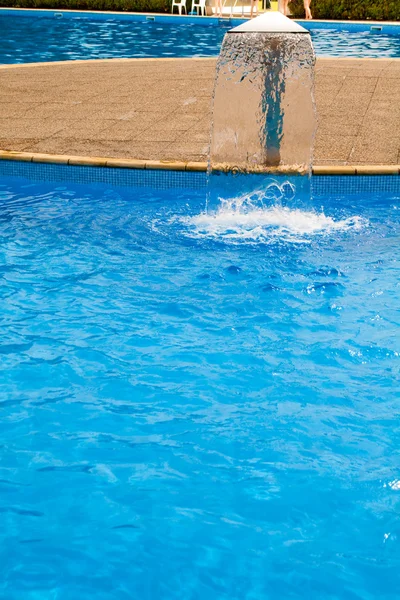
(377, 10)
(159, 6)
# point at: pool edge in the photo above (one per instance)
(158, 59)
(167, 165)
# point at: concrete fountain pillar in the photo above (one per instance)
(264, 116)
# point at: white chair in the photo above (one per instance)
(179, 4)
(200, 6)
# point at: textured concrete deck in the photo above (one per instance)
(161, 109)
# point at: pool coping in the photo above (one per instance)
(165, 165)
(118, 60)
(169, 59)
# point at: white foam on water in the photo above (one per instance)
(248, 220)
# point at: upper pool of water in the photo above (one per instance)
(198, 407)
(42, 38)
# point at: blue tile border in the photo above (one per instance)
(156, 179)
(349, 185)
(321, 185)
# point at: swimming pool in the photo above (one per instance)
(192, 408)
(40, 36)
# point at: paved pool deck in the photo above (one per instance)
(160, 109)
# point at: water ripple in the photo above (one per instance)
(182, 416)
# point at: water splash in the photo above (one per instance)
(262, 216)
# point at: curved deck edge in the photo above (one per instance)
(166, 165)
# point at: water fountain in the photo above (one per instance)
(263, 129)
(264, 123)
(264, 116)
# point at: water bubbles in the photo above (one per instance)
(394, 485)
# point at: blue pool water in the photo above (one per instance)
(44, 37)
(198, 407)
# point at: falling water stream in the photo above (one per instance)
(264, 116)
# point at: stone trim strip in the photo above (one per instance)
(166, 165)
(88, 161)
(115, 61)
(320, 59)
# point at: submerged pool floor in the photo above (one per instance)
(187, 414)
